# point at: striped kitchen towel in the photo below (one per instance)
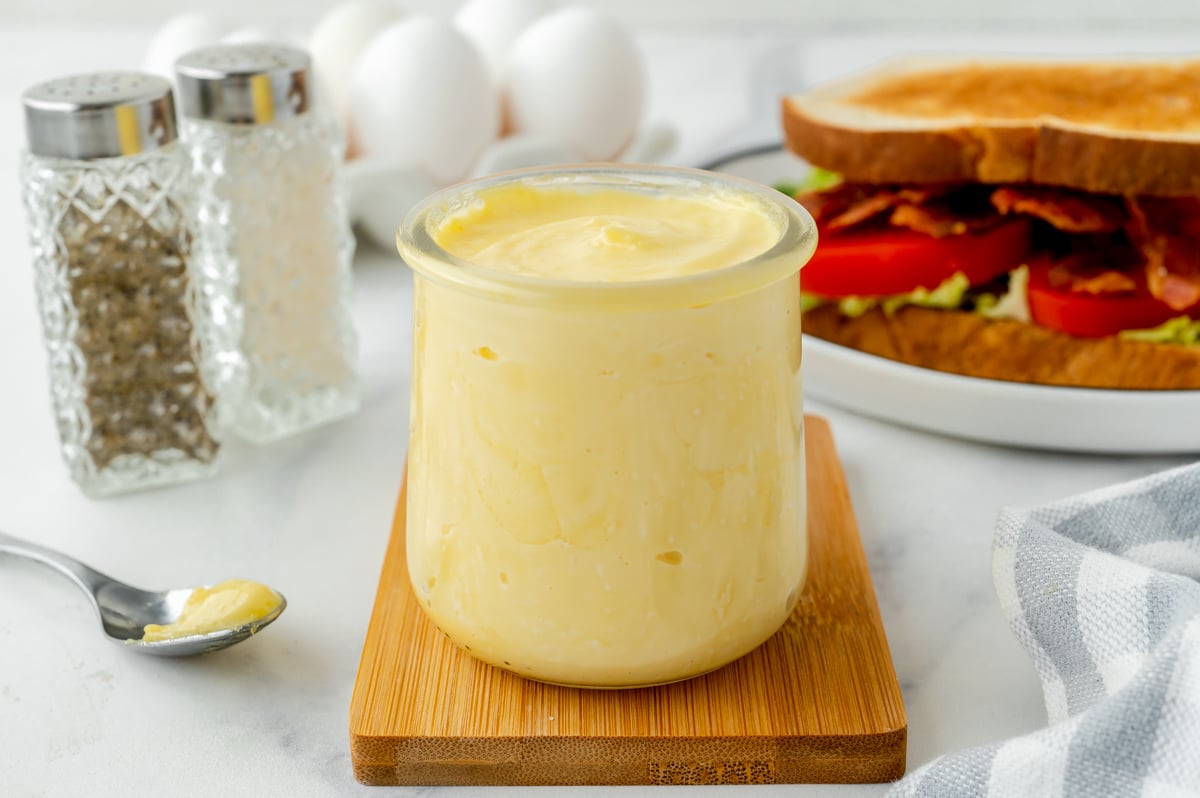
(1103, 590)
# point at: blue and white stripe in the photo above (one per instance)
(1103, 590)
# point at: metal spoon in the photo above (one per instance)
(125, 610)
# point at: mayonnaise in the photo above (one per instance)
(599, 496)
(229, 605)
(606, 235)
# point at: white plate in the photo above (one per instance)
(992, 411)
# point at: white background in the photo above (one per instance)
(807, 15)
(310, 516)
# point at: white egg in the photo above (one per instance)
(577, 76)
(420, 95)
(339, 38)
(495, 24)
(178, 35)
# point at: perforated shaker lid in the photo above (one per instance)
(245, 84)
(99, 115)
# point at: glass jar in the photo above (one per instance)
(103, 180)
(273, 240)
(606, 476)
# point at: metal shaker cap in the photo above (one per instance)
(244, 84)
(99, 115)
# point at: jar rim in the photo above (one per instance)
(796, 242)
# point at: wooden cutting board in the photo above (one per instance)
(818, 702)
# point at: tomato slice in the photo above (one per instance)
(897, 261)
(1087, 315)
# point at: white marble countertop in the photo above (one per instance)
(80, 716)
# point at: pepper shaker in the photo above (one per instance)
(103, 177)
(273, 241)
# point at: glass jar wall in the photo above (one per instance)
(606, 479)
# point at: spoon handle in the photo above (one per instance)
(88, 579)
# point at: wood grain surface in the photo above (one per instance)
(818, 702)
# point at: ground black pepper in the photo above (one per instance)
(105, 184)
(142, 389)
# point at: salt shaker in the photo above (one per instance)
(103, 178)
(273, 239)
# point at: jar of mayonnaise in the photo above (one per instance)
(606, 465)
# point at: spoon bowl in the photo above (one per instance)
(125, 610)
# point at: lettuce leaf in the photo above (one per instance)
(1180, 330)
(948, 295)
(810, 301)
(952, 294)
(1013, 304)
(817, 179)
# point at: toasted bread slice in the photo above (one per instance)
(969, 344)
(1118, 127)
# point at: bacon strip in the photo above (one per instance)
(1069, 211)
(846, 204)
(1167, 232)
(1099, 267)
(1107, 282)
(861, 211)
(850, 204)
(939, 219)
(937, 222)
(1164, 232)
